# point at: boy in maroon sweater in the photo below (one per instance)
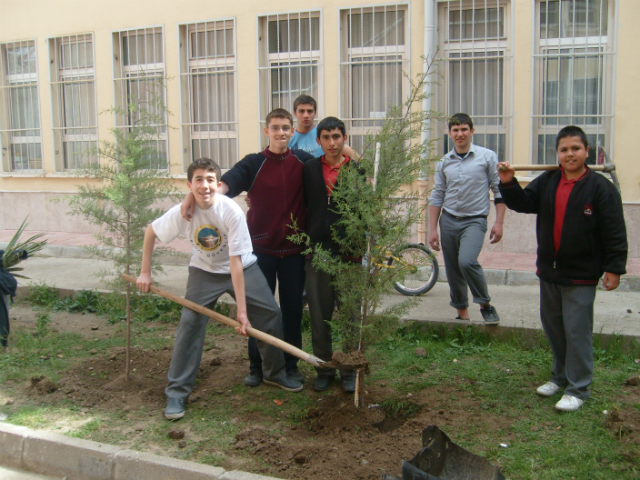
(581, 236)
(273, 180)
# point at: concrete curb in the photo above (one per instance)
(58, 455)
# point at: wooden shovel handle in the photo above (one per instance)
(265, 337)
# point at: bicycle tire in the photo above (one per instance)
(426, 276)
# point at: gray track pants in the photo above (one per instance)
(204, 288)
(461, 242)
(566, 312)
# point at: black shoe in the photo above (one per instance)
(490, 315)
(321, 383)
(174, 409)
(285, 383)
(349, 383)
(253, 379)
(295, 374)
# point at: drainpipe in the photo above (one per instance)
(429, 53)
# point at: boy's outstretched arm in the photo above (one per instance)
(237, 278)
(144, 280)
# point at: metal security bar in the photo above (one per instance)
(475, 47)
(75, 120)
(208, 84)
(139, 73)
(374, 53)
(20, 135)
(573, 62)
(290, 61)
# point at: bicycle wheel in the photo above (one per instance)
(423, 271)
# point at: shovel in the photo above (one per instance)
(265, 337)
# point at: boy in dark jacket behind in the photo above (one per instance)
(581, 235)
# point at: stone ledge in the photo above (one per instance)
(76, 459)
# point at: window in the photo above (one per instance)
(20, 136)
(374, 53)
(139, 80)
(75, 121)
(290, 60)
(573, 61)
(476, 66)
(208, 84)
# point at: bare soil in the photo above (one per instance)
(335, 440)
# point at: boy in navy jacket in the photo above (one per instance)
(581, 235)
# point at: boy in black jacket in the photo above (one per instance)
(581, 235)
(320, 177)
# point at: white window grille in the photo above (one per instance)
(475, 46)
(573, 68)
(75, 120)
(20, 135)
(374, 53)
(139, 74)
(208, 69)
(290, 61)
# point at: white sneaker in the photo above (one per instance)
(548, 389)
(569, 403)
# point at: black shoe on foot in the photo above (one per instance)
(490, 315)
(253, 379)
(285, 383)
(349, 383)
(174, 409)
(321, 383)
(296, 375)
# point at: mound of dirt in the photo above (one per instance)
(42, 385)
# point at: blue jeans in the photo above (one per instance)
(289, 272)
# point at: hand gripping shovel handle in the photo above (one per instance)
(265, 337)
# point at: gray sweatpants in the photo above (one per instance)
(461, 241)
(566, 312)
(204, 288)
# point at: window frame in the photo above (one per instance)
(267, 61)
(125, 75)
(7, 83)
(59, 77)
(346, 64)
(502, 45)
(189, 65)
(604, 125)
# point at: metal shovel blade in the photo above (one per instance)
(441, 459)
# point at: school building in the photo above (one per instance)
(520, 68)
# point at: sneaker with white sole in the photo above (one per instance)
(548, 389)
(569, 403)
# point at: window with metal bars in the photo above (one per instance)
(139, 70)
(208, 69)
(290, 61)
(374, 53)
(475, 48)
(573, 61)
(20, 135)
(75, 120)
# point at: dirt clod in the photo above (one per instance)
(633, 380)
(215, 362)
(175, 433)
(93, 351)
(43, 385)
(182, 443)
(420, 352)
(300, 459)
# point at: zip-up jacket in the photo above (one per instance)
(274, 185)
(321, 207)
(594, 236)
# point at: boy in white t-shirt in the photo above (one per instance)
(222, 261)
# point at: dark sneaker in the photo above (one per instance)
(286, 383)
(296, 375)
(490, 315)
(253, 379)
(321, 383)
(174, 409)
(349, 383)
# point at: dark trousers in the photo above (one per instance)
(289, 272)
(566, 312)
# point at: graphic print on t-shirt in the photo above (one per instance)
(207, 238)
